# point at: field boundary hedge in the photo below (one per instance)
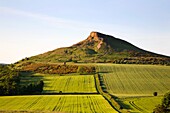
(108, 96)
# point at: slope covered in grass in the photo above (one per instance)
(98, 47)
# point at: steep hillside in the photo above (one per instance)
(99, 47)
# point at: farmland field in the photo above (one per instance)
(141, 104)
(66, 83)
(81, 83)
(57, 103)
(133, 84)
(135, 80)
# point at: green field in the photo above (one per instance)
(133, 84)
(58, 103)
(135, 80)
(141, 104)
(66, 83)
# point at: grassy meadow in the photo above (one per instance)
(57, 103)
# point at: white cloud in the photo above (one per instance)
(54, 21)
(29, 14)
(65, 23)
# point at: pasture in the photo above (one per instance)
(57, 103)
(135, 80)
(66, 83)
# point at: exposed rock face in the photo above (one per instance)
(99, 45)
(95, 36)
(100, 42)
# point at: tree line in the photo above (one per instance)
(164, 107)
(143, 60)
(10, 83)
(57, 68)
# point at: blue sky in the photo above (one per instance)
(31, 27)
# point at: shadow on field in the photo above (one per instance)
(50, 92)
(124, 106)
(29, 77)
(45, 79)
(53, 92)
(48, 86)
(120, 102)
(104, 72)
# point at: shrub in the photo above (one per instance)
(155, 93)
(164, 107)
(160, 109)
(81, 70)
(166, 100)
(60, 92)
(86, 70)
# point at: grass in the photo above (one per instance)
(57, 103)
(141, 104)
(135, 80)
(65, 83)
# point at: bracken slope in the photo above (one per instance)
(100, 47)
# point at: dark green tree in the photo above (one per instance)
(160, 109)
(165, 106)
(166, 100)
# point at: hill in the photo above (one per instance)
(100, 47)
(3, 64)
